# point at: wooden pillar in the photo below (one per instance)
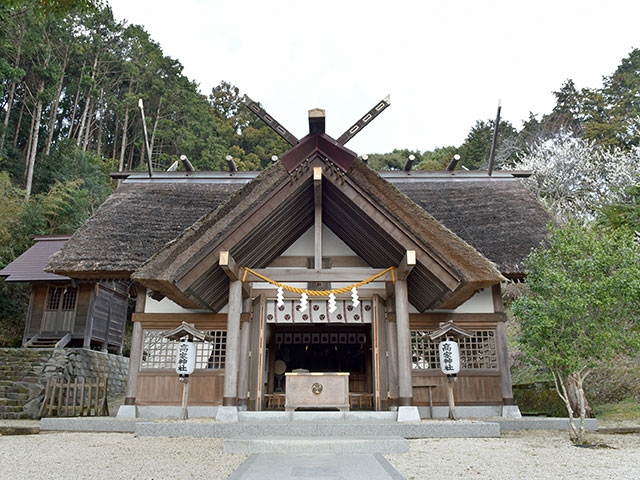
(232, 356)
(378, 345)
(317, 226)
(392, 360)
(105, 344)
(501, 347)
(405, 387)
(135, 356)
(245, 337)
(392, 345)
(88, 329)
(257, 348)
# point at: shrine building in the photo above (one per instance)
(317, 265)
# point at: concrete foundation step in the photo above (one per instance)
(316, 445)
(10, 409)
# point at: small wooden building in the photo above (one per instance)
(66, 312)
(212, 249)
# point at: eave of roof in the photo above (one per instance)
(136, 221)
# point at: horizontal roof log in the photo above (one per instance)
(294, 275)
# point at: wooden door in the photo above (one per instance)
(379, 343)
(60, 309)
(257, 349)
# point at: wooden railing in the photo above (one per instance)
(76, 397)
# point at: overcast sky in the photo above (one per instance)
(445, 64)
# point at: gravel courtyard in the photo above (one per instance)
(516, 455)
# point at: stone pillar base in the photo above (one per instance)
(408, 414)
(227, 414)
(511, 411)
(127, 411)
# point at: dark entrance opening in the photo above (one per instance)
(322, 348)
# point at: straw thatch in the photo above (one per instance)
(162, 228)
(134, 223)
(497, 216)
(278, 206)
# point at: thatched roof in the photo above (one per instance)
(267, 215)
(165, 227)
(134, 223)
(496, 215)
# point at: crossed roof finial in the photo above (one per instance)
(293, 141)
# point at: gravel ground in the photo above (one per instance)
(113, 456)
(522, 455)
(516, 455)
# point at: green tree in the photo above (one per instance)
(610, 115)
(395, 160)
(622, 92)
(11, 208)
(52, 7)
(437, 159)
(476, 149)
(623, 213)
(581, 308)
(566, 117)
(15, 215)
(245, 137)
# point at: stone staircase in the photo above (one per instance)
(21, 389)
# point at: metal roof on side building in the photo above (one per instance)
(29, 267)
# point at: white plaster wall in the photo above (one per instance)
(166, 306)
(331, 245)
(481, 302)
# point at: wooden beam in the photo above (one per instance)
(270, 121)
(317, 184)
(406, 265)
(271, 293)
(233, 270)
(364, 121)
(229, 265)
(317, 236)
(166, 321)
(301, 261)
(292, 275)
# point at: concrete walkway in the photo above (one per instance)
(323, 466)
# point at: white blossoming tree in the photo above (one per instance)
(574, 177)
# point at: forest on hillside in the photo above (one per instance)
(72, 76)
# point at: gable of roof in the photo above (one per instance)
(318, 145)
(270, 213)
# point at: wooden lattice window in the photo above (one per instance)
(476, 352)
(479, 351)
(160, 353)
(62, 298)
